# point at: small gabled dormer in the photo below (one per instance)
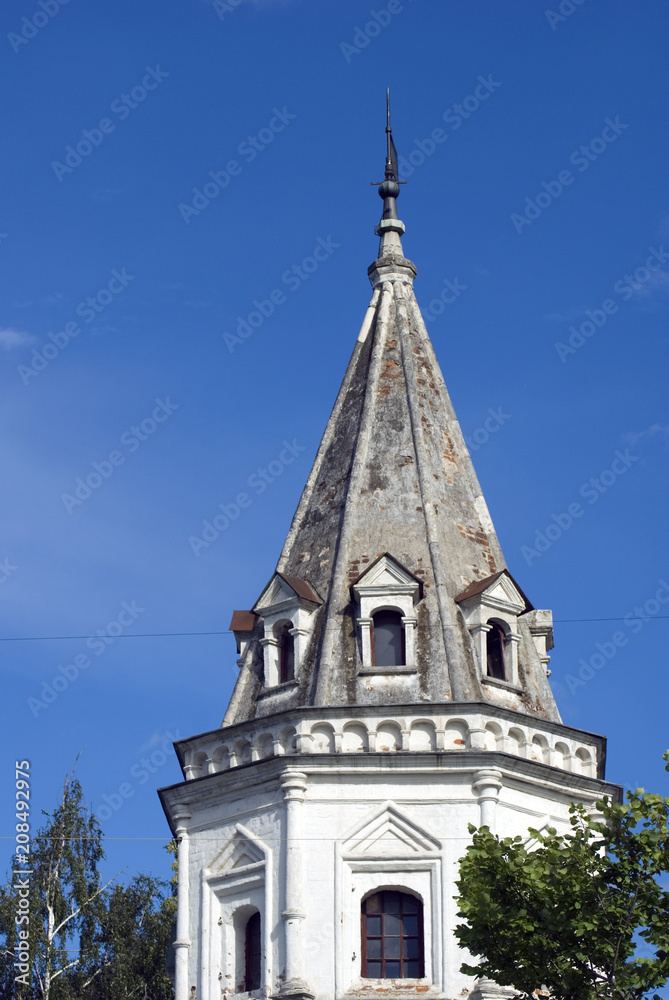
(287, 607)
(243, 625)
(386, 595)
(491, 608)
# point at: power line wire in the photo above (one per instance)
(156, 635)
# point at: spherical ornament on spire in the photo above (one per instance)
(389, 189)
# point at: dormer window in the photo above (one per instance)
(386, 595)
(287, 608)
(495, 640)
(286, 653)
(387, 637)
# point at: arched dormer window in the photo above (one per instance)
(495, 642)
(252, 953)
(388, 646)
(392, 936)
(286, 653)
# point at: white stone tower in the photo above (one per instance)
(392, 690)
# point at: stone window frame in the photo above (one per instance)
(400, 595)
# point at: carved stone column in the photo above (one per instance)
(182, 943)
(294, 785)
(487, 783)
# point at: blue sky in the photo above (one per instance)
(540, 200)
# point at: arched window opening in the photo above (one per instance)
(392, 936)
(252, 953)
(286, 654)
(495, 651)
(387, 639)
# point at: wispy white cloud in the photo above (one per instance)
(10, 338)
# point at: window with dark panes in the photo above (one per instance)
(495, 651)
(252, 952)
(392, 936)
(387, 639)
(286, 654)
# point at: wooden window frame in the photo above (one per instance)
(382, 937)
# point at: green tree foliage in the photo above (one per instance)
(584, 914)
(87, 941)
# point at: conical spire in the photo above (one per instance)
(393, 508)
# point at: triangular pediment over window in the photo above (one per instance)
(497, 591)
(239, 852)
(387, 576)
(389, 832)
(283, 589)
